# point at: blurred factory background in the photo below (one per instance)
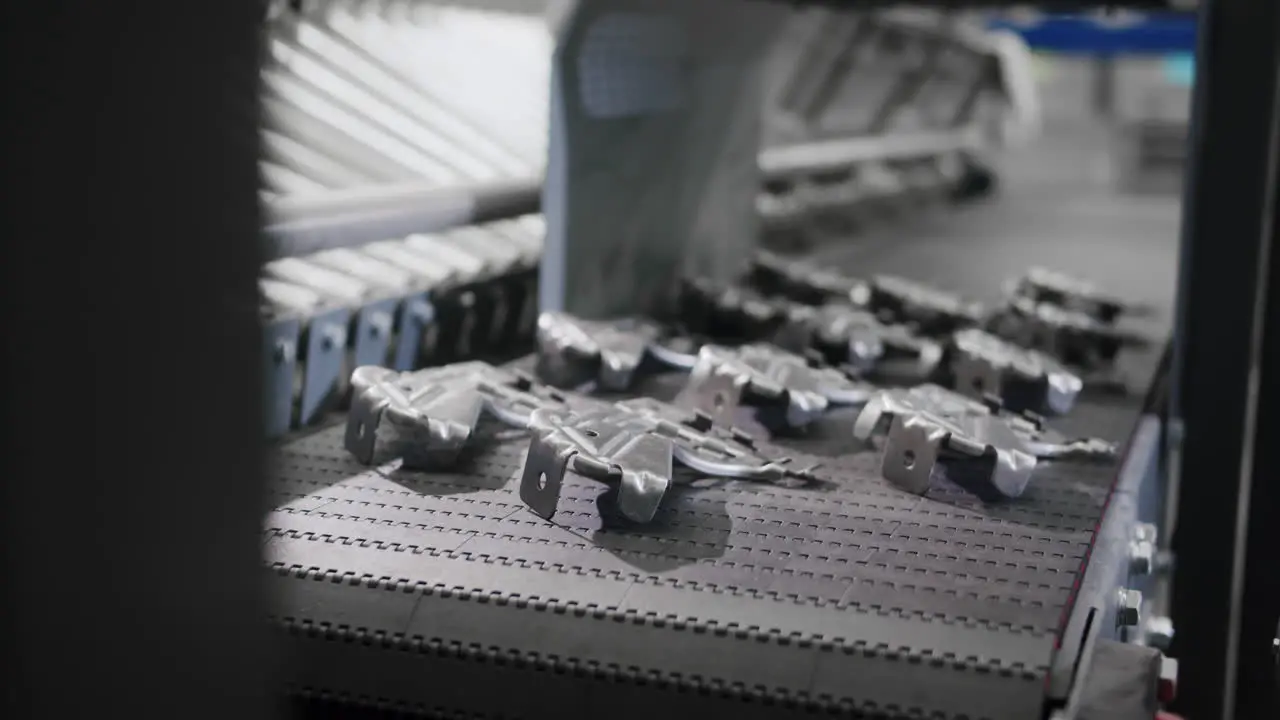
(355, 94)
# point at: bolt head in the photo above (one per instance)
(1145, 532)
(1142, 558)
(1128, 608)
(1159, 632)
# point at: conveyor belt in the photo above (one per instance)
(442, 593)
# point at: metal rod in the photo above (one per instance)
(320, 221)
(302, 225)
(809, 158)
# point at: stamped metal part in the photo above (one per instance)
(572, 352)
(842, 332)
(436, 274)
(527, 234)
(977, 363)
(413, 311)
(731, 312)
(800, 280)
(1071, 336)
(1072, 293)
(633, 444)
(433, 413)
(925, 428)
(370, 334)
(928, 310)
(487, 295)
(320, 350)
(862, 340)
(928, 423)
(280, 337)
(724, 378)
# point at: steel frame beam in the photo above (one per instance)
(1215, 399)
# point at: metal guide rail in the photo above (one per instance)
(640, 539)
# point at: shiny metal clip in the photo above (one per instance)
(1040, 285)
(928, 424)
(572, 352)
(634, 444)
(977, 364)
(928, 310)
(724, 378)
(433, 413)
(846, 334)
(1071, 336)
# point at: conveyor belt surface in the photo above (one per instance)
(442, 593)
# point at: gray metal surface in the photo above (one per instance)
(854, 593)
(655, 130)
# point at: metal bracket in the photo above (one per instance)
(928, 424)
(763, 375)
(433, 413)
(800, 280)
(841, 332)
(977, 363)
(1071, 336)
(369, 336)
(323, 343)
(732, 312)
(572, 352)
(1040, 285)
(407, 299)
(928, 310)
(280, 337)
(634, 444)
(857, 337)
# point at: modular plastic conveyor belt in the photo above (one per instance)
(443, 594)
(418, 589)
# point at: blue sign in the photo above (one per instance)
(1146, 34)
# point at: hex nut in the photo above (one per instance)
(1159, 632)
(1142, 558)
(1128, 608)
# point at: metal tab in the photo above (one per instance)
(1041, 285)
(928, 424)
(1071, 336)
(433, 413)
(324, 338)
(325, 350)
(280, 337)
(977, 363)
(767, 376)
(730, 312)
(929, 310)
(527, 235)
(474, 315)
(572, 352)
(800, 280)
(369, 337)
(418, 315)
(633, 445)
(410, 305)
(857, 337)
